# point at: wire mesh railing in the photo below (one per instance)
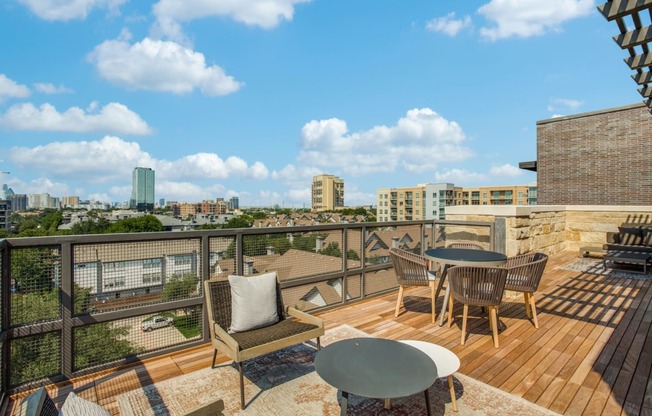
(77, 304)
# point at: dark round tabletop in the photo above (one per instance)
(374, 367)
(464, 256)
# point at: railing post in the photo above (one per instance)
(205, 275)
(239, 255)
(67, 310)
(5, 300)
(345, 264)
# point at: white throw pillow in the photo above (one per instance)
(76, 406)
(253, 301)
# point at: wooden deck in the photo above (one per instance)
(592, 354)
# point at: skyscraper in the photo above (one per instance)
(142, 191)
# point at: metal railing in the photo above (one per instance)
(72, 305)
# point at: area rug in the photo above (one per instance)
(285, 383)
(595, 266)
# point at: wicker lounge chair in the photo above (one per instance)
(523, 275)
(412, 270)
(478, 286)
(293, 327)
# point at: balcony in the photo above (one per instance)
(589, 356)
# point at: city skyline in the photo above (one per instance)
(241, 100)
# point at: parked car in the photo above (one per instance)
(157, 322)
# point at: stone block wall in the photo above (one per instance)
(551, 229)
(597, 158)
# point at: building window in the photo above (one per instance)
(151, 278)
(151, 263)
(183, 260)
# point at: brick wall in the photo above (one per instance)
(598, 158)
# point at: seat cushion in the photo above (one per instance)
(283, 329)
(77, 406)
(38, 403)
(253, 302)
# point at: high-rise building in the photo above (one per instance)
(5, 214)
(327, 193)
(70, 201)
(142, 191)
(235, 203)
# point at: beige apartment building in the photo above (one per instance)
(429, 201)
(327, 193)
(496, 195)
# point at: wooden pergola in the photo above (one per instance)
(631, 14)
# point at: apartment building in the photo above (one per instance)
(5, 214)
(327, 193)
(70, 201)
(497, 195)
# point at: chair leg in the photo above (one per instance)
(466, 313)
(451, 387)
(494, 324)
(432, 300)
(242, 403)
(450, 310)
(318, 343)
(533, 307)
(399, 300)
(526, 299)
(214, 357)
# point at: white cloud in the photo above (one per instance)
(11, 89)
(299, 195)
(263, 13)
(526, 18)
(448, 24)
(47, 88)
(418, 142)
(506, 171)
(186, 191)
(459, 176)
(157, 65)
(566, 103)
(112, 118)
(557, 115)
(111, 160)
(69, 9)
(40, 185)
(291, 174)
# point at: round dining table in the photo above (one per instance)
(448, 257)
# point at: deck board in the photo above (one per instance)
(591, 355)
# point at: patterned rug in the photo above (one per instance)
(595, 266)
(285, 383)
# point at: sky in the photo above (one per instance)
(252, 98)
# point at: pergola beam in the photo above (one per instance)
(643, 78)
(617, 9)
(646, 92)
(634, 37)
(639, 61)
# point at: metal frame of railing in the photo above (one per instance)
(69, 321)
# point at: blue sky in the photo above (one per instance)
(254, 97)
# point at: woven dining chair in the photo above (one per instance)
(412, 270)
(469, 246)
(523, 275)
(477, 286)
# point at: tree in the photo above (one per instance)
(32, 269)
(352, 255)
(147, 223)
(51, 222)
(332, 249)
(180, 287)
(91, 226)
(238, 222)
(305, 242)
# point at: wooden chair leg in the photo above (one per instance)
(399, 300)
(242, 403)
(388, 404)
(451, 388)
(533, 307)
(214, 357)
(526, 299)
(494, 324)
(432, 300)
(318, 343)
(466, 313)
(450, 310)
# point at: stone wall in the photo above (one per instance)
(550, 229)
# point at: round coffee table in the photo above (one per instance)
(375, 367)
(445, 360)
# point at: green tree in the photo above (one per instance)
(305, 242)
(259, 215)
(147, 223)
(27, 224)
(352, 255)
(91, 226)
(51, 222)
(32, 269)
(180, 287)
(332, 249)
(101, 343)
(238, 222)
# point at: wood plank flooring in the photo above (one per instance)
(592, 354)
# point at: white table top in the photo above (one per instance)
(446, 361)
